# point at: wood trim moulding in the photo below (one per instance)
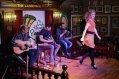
(9, 4)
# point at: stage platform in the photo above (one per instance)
(107, 68)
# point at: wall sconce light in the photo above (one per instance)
(57, 14)
(7, 16)
(14, 17)
(10, 17)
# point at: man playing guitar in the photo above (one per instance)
(21, 45)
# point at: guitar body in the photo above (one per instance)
(17, 50)
(23, 46)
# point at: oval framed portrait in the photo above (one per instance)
(64, 20)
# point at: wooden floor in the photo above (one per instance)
(107, 68)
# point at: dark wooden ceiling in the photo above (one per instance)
(44, 3)
(38, 1)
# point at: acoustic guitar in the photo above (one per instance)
(22, 46)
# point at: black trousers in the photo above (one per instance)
(89, 52)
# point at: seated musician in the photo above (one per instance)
(62, 40)
(22, 45)
(45, 37)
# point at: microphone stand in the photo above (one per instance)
(5, 72)
(9, 63)
(27, 60)
(37, 47)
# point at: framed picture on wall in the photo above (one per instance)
(115, 8)
(107, 9)
(98, 20)
(115, 22)
(80, 9)
(103, 29)
(75, 8)
(104, 20)
(64, 20)
(72, 8)
(75, 24)
(99, 9)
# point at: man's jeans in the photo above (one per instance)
(66, 45)
(33, 55)
(53, 49)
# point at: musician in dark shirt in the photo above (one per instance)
(61, 39)
(45, 37)
(22, 40)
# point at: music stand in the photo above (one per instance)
(27, 60)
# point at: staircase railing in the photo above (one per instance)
(18, 69)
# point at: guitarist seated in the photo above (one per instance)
(22, 45)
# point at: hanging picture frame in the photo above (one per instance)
(104, 20)
(103, 29)
(115, 22)
(107, 9)
(76, 8)
(98, 19)
(115, 8)
(99, 9)
(80, 9)
(72, 10)
(75, 24)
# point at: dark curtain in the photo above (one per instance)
(19, 20)
(8, 27)
(49, 17)
(49, 20)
